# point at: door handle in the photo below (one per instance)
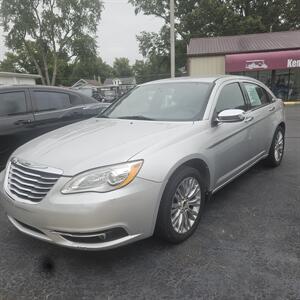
(23, 122)
(272, 108)
(249, 119)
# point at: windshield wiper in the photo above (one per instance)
(136, 118)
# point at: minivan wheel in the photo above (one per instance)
(277, 148)
(181, 206)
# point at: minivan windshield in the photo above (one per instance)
(162, 102)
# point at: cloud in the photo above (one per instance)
(118, 29)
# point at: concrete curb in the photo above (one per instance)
(292, 103)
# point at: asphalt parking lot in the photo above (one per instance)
(247, 247)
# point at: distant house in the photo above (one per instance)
(112, 81)
(9, 78)
(88, 87)
(124, 83)
(127, 83)
(84, 83)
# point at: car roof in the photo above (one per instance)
(17, 86)
(10, 88)
(204, 79)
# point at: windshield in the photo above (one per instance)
(162, 102)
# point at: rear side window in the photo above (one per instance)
(231, 97)
(12, 103)
(89, 100)
(45, 101)
(257, 95)
(75, 100)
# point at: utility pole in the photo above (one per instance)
(172, 33)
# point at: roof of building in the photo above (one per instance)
(128, 80)
(19, 75)
(123, 80)
(92, 82)
(86, 82)
(108, 81)
(260, 42)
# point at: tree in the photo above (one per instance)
(141, 70)
(122, 68)
(155, 48)
(50, 30)
(224, 17)
(17, 63)
(91, 67)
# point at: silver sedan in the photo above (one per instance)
(146, 165)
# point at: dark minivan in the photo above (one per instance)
(29, 111)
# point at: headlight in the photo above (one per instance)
(104, 179)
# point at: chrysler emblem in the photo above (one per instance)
(27, 164)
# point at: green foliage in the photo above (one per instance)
(68, 72)
(224, 17)
(155, 49)
(89, 68)
(50, 30)
(122, 68)
(17, 63)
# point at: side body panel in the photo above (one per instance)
(227, 149)
(14, 128)
(45, 121)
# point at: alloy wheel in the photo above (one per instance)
(279, 146)
(186, 205)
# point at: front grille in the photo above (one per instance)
(28, 183)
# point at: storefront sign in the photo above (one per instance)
(276, 60)
(293, 63)
(256, 64)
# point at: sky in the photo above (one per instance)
(117, 31)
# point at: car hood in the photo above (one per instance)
(97, 142)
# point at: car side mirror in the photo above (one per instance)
(231, 116)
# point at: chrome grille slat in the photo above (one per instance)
(25, 189)
(17, 193)
(29, 183)
(32, 174)
(29, 179)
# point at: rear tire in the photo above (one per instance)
(181, 206)
(277, 148)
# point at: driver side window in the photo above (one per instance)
(231, 97)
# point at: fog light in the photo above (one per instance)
(102, 236)
(95, 238)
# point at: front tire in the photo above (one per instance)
(181, 206)
(277, 148)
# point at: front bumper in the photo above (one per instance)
(57, 217)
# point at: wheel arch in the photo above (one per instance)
(202, 167)
(192, 161)
(196, 163)
(282, 125)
